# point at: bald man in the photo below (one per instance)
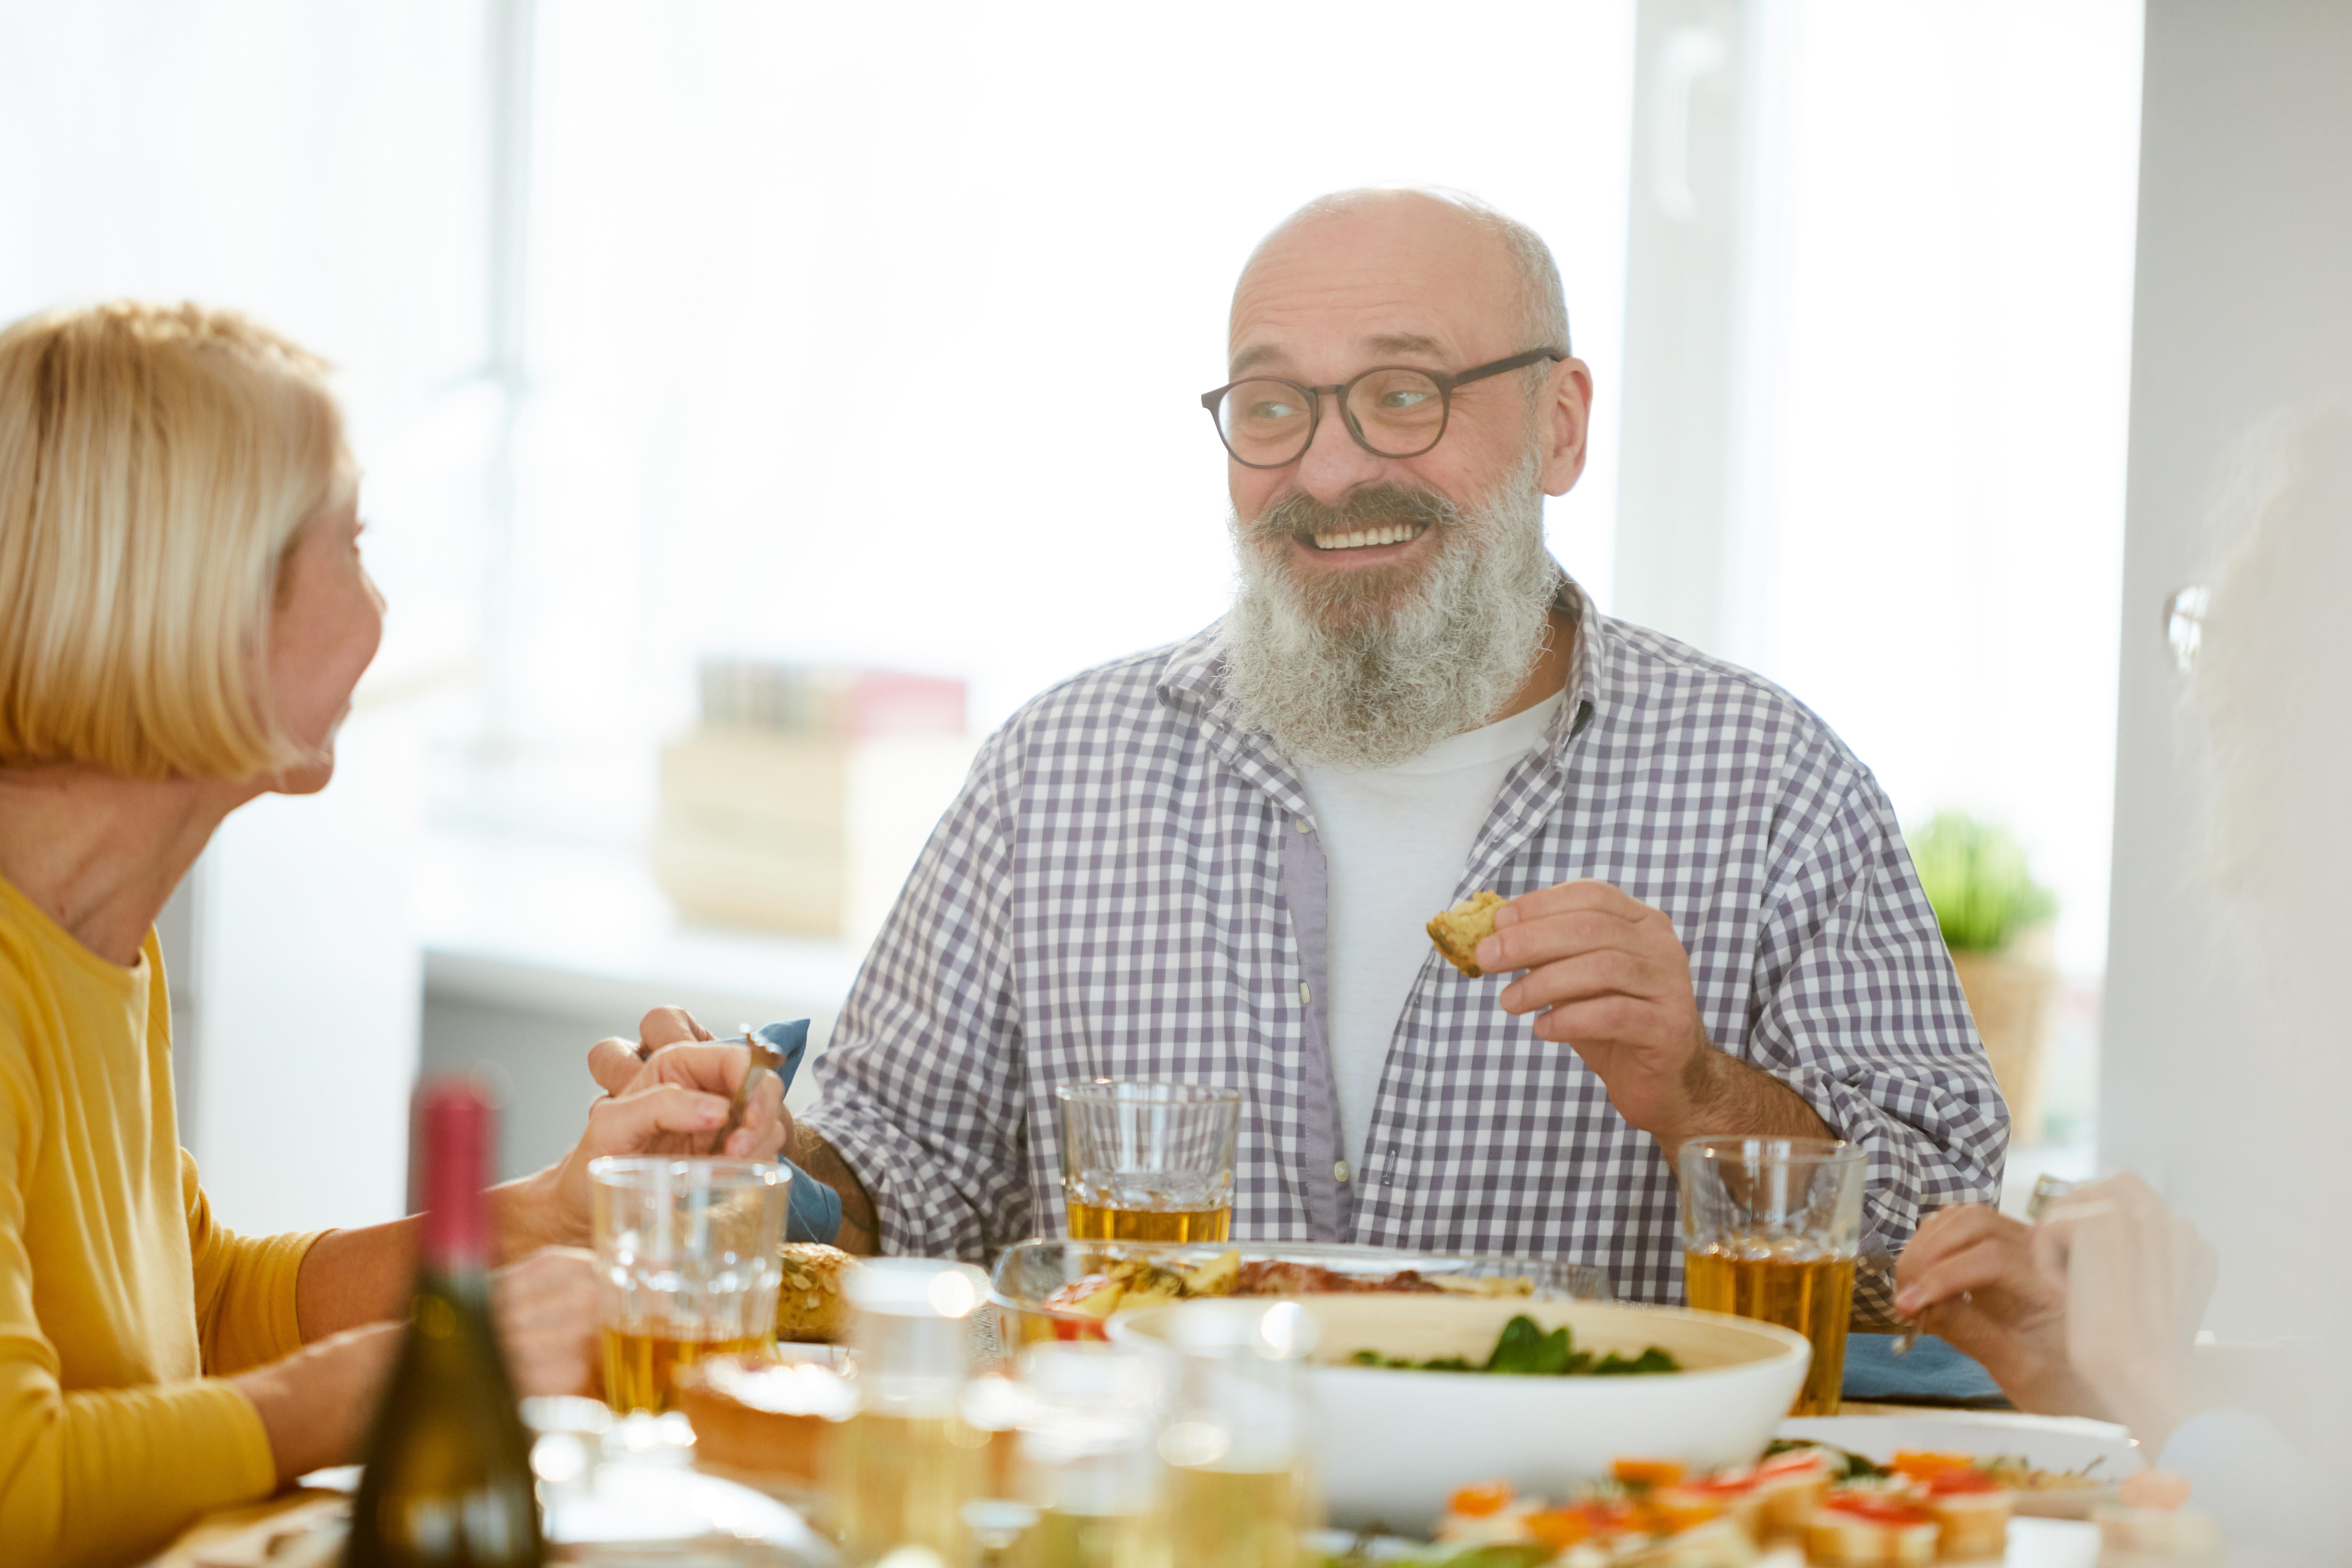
(1212, 863)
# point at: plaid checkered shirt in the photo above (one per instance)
(1130, 887)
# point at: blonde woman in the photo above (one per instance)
(182, 618)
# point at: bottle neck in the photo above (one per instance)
(455, 1240)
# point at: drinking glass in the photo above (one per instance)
(1237, 1483)
(1149, 1162)
(687, 1251)
(1085, 1467)
(905, 1469)
(1770, 1229)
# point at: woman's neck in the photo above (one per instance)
(98, 853)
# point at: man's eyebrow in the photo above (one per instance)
(1385, 343)
(1250, 359)
(1406, 343)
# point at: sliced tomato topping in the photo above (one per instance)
(1481, 1499)
(1925, 1464)
(1560, 1528)
(1648, 1472)
(1676, 1508)
(1878, 1508)
(1780, 1466)
(1956, 1483)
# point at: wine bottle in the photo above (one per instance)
(448, 1482)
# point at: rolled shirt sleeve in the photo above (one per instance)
(1857, 1008)
(918, 1086)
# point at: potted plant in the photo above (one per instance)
(1996, 921)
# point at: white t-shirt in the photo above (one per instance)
(1395, 841)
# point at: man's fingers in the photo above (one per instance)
(767, 1128)
(1551, 937)
(669, 1026)
(1569, 898)
(630, 1123)
(1610, 972)
(1600, 1021)
(614, 1064)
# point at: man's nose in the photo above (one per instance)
(1335, 462)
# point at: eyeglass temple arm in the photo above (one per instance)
(1480, 372)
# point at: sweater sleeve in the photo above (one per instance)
(99, 1476)
(245, 1287)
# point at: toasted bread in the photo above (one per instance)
(1460, 929)
(809, 1304)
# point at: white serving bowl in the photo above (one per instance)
(1393, 1444)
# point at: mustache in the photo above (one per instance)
(1299, 513)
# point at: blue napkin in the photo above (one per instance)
(816, 1211)
(1932, 1373)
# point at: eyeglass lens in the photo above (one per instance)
(1396, 412)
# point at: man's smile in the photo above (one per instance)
(1367, 538)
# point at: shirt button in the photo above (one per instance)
(1339, 1173)
(1305, 997)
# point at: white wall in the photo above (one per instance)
(1923, 523)
(319, 167)
(2225, 1071)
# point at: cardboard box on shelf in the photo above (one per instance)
(803, 799)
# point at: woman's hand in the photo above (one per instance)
(1978, 1277)
(545, 1310)
(673, 1103)
(2091, 1312)
(619, 1065)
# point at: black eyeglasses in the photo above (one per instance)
(1393, 411)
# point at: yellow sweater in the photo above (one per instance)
(122, 1303)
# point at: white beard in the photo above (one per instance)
(1367, 674)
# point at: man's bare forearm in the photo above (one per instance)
(861, 1226)
(1730, 1099)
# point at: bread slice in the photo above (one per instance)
(1460, 929)
(810, 1306)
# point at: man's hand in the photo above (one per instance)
(1617, 983)
(674, 1101)
(545, 1310)
(623, 1068)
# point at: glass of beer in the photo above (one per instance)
(1149, 1162)
(904, 1473)
(1238, 1485)
(686, 1252)
(1770, 1229)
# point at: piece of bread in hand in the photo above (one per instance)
(1460, 929)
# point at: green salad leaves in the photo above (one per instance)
(1526, 1351)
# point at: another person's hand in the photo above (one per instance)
(545, 1310)
(2137, 1279)
(1617, 981)
(2093, 1311)
(1997, 1291)
(675, 1102)
(657, 1056)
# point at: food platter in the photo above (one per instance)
(1028, 1274)
(2057, 1445)
(1538, 1433)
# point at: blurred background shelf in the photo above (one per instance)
(534, 949)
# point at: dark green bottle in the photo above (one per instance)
(449, 1481)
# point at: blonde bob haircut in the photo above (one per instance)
(156, 463)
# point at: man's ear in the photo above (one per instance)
(1566, 409)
